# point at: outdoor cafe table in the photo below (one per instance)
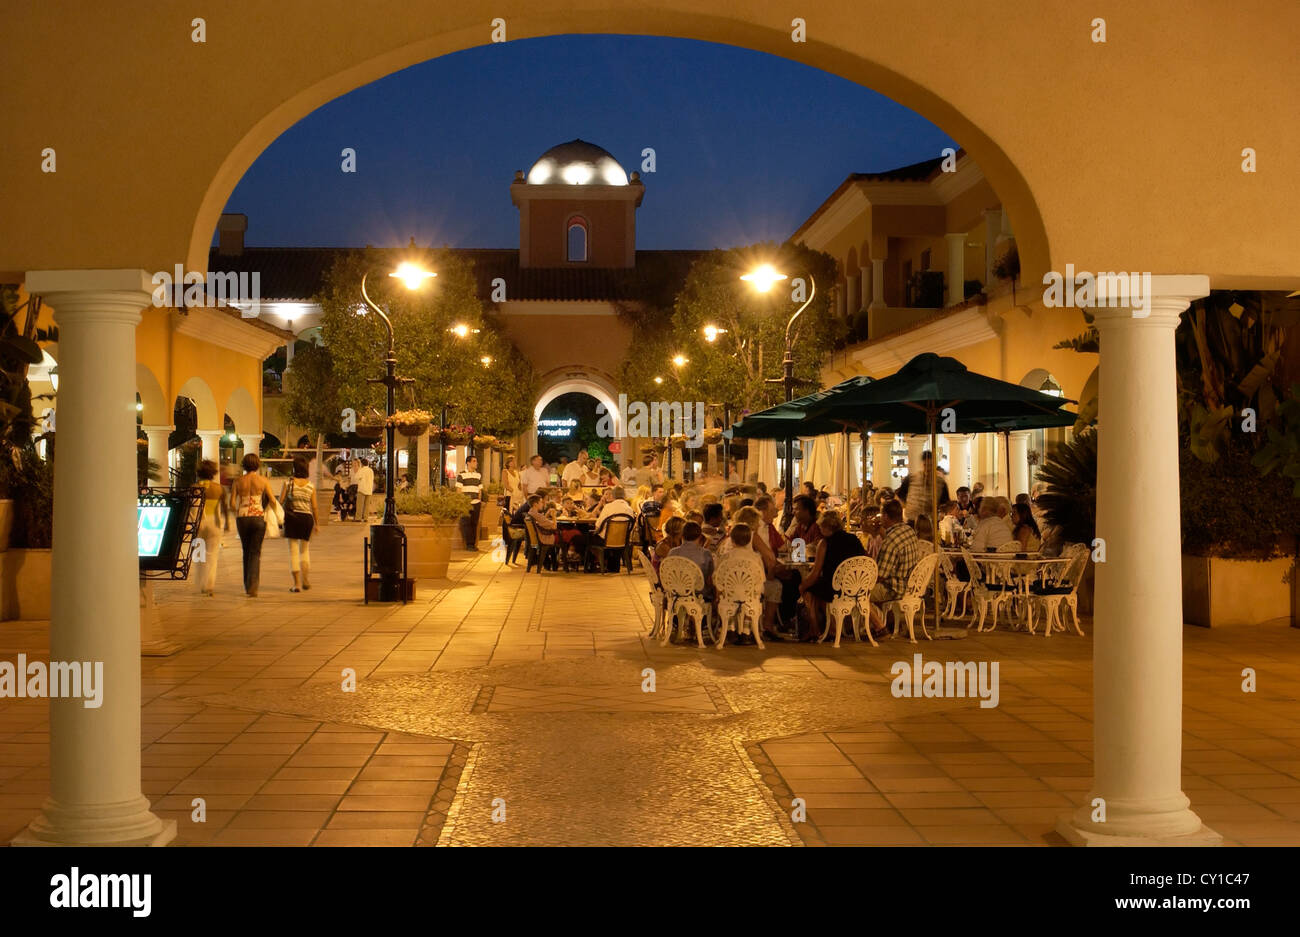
(1019, 569)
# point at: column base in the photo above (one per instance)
(1167, 822)
(1077, 836)
(130, 823)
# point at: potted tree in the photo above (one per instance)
(430, 521)
(1069, 503)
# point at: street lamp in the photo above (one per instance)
(711, 333)
(386, 537)
(763, 279)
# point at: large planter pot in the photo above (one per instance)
(25, 585)
(428, 545)
(6, 522)
(1218, 592)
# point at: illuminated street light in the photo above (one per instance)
(764, 278)
(487, 360)
(659, 380)
(387, 537)
(680, 360)
(460, 330)
(711, 332)
(413, 275)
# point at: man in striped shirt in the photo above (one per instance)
(470, 482)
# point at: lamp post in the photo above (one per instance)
(763, 279)
(386, 536)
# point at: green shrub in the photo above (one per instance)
(442, 503)
(29, 479)
(1230, 509)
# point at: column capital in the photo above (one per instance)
(1020, 433)
(1149, 300)
(110, 295)
(209, 433)
(157, 428)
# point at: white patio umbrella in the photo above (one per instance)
(821, 470)
(842, 476)
(763, 459)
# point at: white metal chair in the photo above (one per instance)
(985, 594)
(852, 582)
(1064, 588)
(683, 584)
(913, 599)
(658, 600)
(955, 587)
(740, 598)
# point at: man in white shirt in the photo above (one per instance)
(534, 478)
(993, 529)
(615, 506)
(628, 475)
(572, 472)
(364, 479)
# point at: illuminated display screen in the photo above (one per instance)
(151, 526)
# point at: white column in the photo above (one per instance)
(252, 443)
(95, 793)
(877, 283)
(851, 295)
(882, 448)
(956, 267)
(865, 286)
(1137, 642)
(958, 462)
(1019, 463)
(158, 448)
(915, 446)
(211, 443)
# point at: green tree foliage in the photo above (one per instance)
(734, 368)
(447, 368)
(1070, 501)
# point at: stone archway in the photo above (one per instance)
(576, 381)
(1135, 193)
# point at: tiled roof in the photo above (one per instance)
(289, 274)
(923, 171)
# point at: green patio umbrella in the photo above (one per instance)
(932, 391)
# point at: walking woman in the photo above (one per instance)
(249, 493)
(299, 501)
(214, 497)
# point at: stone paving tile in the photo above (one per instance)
(497, 688)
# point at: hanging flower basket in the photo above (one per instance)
(712, 436)
(411, 422)
(678, 441)
(487, 442)
(506, 446)
(370, 431)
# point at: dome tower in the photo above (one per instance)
(577, 208)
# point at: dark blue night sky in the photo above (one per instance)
(747, 144)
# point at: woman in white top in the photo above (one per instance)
(511, 485)
(299, 501)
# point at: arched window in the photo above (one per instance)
(577, 252)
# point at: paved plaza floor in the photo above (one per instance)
(500, 708)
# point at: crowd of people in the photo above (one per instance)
(709, 520)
